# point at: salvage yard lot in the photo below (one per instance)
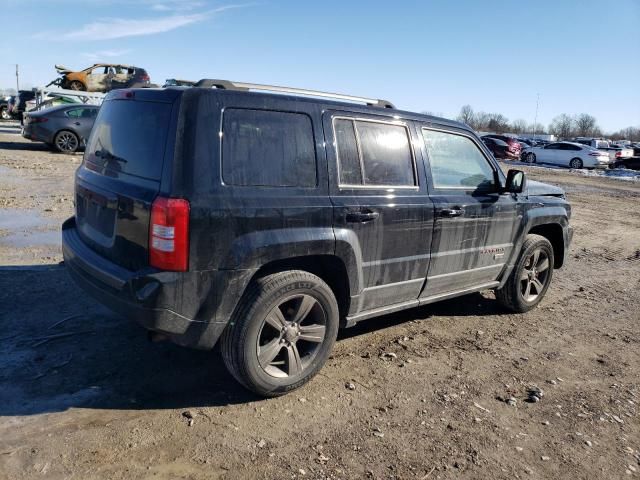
(419, 394)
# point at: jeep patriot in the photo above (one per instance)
(267, 221)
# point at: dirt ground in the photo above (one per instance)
(84, 395)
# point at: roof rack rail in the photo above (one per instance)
(240, 86)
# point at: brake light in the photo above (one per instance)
(38, 119)
(618, 154)
(169, 234)
(145, 78)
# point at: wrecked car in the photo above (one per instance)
(101, 77)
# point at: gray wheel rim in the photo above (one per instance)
(291, 336)
(575, 163)
(535, 275)
(67, 142)
(76, 86)
(5, 114)
(531, 158)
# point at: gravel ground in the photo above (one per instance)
(419, 394)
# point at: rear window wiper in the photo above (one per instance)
(107, 156)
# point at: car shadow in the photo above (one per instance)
(60, 349)
(25, 146)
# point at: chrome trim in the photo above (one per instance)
(468, 250)
(469, 270)
(343, 186)
(461, 134)
(396, 260)
(394, 284)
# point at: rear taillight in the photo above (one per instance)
(169, 234)
(618, 154)
(37, 119)
(145, 78)
(597, 154)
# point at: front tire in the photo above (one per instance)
(4, 113)
(530, 278)
(576, 163)
(66, 141)
(530, 157)
(282, 332)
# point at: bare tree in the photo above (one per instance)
(536, 129)
(498, 123)
(562, 126)
(467, 115)
(585, 125)
(481, 121)
(519, 126)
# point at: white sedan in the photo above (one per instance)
(567, 154)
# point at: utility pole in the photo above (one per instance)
(535, 121)
(17, 79)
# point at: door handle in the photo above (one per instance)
(362, 217)
(76, 123)
(452, 212)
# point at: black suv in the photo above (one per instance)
(267, 221)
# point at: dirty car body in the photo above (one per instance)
(102, 77)
(44, 125)
(409, 228)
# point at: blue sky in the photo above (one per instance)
(580, 55)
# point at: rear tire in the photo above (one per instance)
(281, 333)
(576, 163)
(4, 113)
(531, 276)
(66, 141)
(530, 157)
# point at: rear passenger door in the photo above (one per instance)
(380, 207)
(475, 225)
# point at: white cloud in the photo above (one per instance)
(112, 28)
(105, 54)
(176, 5)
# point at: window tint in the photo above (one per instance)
(266, 148)
(384, 156)
(129, 136)
(75, 113)
(553, 146)
(350, 171)
(457, 162)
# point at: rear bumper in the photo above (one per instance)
(190, 308)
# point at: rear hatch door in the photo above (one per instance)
(121, 175)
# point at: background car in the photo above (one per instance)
(568, 154)
(102, 77)
(4, 108)
(514, 146)
(18, 103)
(499, 148)
(65, 127)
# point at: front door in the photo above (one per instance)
(380, 207)
(475, 226)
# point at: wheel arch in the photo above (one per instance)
(554, 233)
(330, 268)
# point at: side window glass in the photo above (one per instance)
(386, 154)
(268, 148)
(347, 148)
(374, 153)
(457, 162)
(75, 113)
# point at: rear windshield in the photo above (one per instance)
(129, 137)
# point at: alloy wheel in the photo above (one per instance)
(67, 142)
(291, 336)
(576, 163)
(535, 275)
(531, 158)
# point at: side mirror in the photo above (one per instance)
(516, 181)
